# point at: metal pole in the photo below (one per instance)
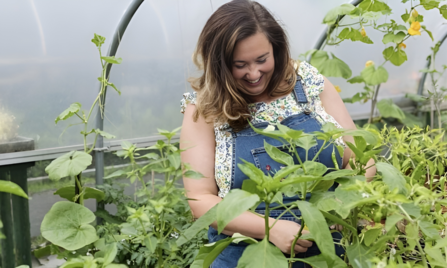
(424, 75)
(99, 148)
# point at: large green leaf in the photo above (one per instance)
(335, 68)
(376, 5)
(234, 204)
(11, 187)
(314, 168)
(443, 11)
(392, 177)
(396, 57)
(68, 192)
(306, 142)
(387, 108)
(429, 229)
(358, 255)
(252, 171)
(332, 15)
(318, 228)
(324, 201)
(201, 223)
(67, 225)
(354, 35)
(105, 134)
(262, 255)
(373, 76)
(70, 164)
(69, 112)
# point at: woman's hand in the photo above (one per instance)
(283, 234)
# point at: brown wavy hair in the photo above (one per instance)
(219, 97)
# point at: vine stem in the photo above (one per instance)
(266, 220)
(292, 250)
(373, 104)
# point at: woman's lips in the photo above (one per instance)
(254, 84)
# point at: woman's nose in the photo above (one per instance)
(253, 74)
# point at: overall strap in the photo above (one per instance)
(300, 95)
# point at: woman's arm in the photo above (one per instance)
(333, 104)
(198, 138)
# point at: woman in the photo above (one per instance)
(248, 74)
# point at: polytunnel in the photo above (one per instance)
(48, 62)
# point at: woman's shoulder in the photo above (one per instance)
(311, 77)
(188, 98)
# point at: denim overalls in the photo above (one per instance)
(249, 145)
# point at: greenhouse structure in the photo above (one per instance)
(92, 167)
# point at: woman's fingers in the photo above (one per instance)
(300, 249)
(304, 243)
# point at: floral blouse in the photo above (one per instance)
(272, 112)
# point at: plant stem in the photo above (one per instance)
(142, 226)
(266, 220)
(78, 189)
(373, 104)
(292, 250)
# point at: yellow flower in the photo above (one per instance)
(363, 32)
(414, 13)
(402, 46)
(338, 89)
(369, 63)
(415, 28)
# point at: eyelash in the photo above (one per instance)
(242, 66)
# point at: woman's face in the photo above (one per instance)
(253, 65)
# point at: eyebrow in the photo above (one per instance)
(263, 55)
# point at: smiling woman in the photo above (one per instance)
(249, 76)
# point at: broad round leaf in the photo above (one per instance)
(387, 108)
(373, 76)
(395, 57)
(69, 112)
(70, 164)
(11, 187)
(332, 15)
(67, 225)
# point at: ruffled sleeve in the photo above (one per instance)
(188, 98)
(313, 80)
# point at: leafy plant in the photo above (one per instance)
(393, 220)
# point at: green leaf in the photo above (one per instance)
(372, 15)
(69, 164)
(354, 35)
(150, 242)
(395, 57)
(429, 229)
(193, 174)
(356, 79)
(412, 209)
(358, 255)
(234, 204)
(443, 11)
(428, 32)
(104, 134)
(11, 187)
(112, 59)
(335, 68)
(318, 228)
(67, 225)
(201, 223)
(69, 112)
(405, 17)
(332, 15)
(114, 87)
(262, 255)
(393, 38)
(371, 235)
(373, 76)
(278, 155)
(392, 220)
(252, 171)
(376, 5)
(415, 97)
(118, 173)
(306, 142)
(370, 138)
(174, 160)
(430, 4)
(68, 192)
(98, 40)
(338, 174)
(318, 58)
(315, 168)
(104, 214)
(217, 248)
(284, 172)
(110, 252)
(387, 108)
(392, 177)
(324, 201)
(317, 261)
